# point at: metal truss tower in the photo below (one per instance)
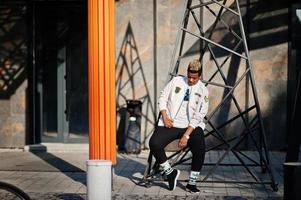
(221, 46)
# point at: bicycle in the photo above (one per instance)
(10, 192)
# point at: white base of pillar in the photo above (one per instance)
(99, 179)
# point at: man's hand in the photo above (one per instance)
(168, 123)
(183, 142)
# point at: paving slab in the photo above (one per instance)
(62, 175)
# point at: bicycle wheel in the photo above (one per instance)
(11, 192)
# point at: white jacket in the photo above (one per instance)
(172, 96)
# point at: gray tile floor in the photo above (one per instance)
(62, 175)
(222, 173)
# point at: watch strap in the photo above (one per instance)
(186, 136)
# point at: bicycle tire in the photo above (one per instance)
(14, 190)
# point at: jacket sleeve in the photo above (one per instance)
(201, 110)
(164, 95)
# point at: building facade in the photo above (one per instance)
(44, 88)
(44, 67)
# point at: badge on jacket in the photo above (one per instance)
(177, 90)
(206, 99)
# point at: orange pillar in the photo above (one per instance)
(101, 61)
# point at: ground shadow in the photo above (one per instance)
(133, 170)
(71, 196)
(61, 165)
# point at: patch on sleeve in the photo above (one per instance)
(177, 90)
(206, 99)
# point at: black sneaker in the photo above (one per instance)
(192, 189)
(172, 178)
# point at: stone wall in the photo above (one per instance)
(266, 24)
(268, 52)
(13, 83)
(13, 119)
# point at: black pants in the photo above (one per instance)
(162, 136)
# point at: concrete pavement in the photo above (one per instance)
(56, 174)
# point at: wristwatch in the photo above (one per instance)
(186, 136)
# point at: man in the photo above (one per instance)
(183, 104)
